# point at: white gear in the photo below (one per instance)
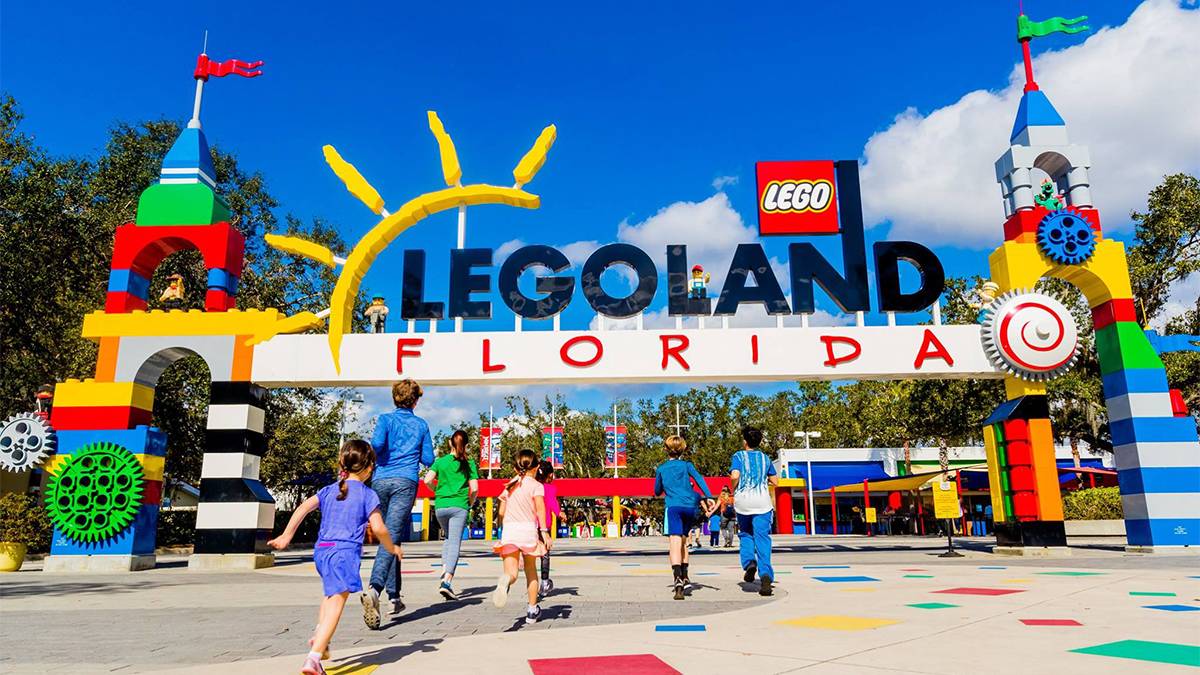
(25, 441)
(1030, 335)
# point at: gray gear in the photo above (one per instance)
(25, 441)
(1030, 335)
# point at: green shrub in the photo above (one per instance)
(1093, 504)
(23, 520)
(176, 527)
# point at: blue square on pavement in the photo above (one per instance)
(1174, 608)
(681, 628)
(836, 580)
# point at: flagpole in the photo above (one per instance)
(1030, 85)
(194, 123)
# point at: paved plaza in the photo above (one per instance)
(844, 605)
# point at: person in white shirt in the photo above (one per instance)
(750, 475)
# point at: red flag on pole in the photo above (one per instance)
(206, 68)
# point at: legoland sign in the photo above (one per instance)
(794, 198)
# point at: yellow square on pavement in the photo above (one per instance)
(837, 622)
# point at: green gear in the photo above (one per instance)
(96, 493)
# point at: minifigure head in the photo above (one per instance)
(377, 300)
(697, 271)
(1047, 187)
(174, 280)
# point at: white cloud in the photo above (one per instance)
(1182, 298)
(710, 228)
(721, 182)
(507, 248)
(1128, 92)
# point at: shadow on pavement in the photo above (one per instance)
(385, 655)
(431, 610)
(548, 614)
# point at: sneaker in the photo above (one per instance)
(397, 605)
(545, 587)
(324, 654)
(765, 589)
(500, 595)
(312, 667)
(679, 589)
(532, 615)
(751, 569)
(370, 603)
(446, 591)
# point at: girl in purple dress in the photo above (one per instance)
(347, 508)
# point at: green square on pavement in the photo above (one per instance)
(1071, 574)
(932, 605)
(1154, 594)
(1143, 650)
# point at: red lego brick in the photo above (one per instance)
(152, 492)
(1021, 479)
(141, 249)
(1108, 313)
(122, 303)
(1025, 506)
(65, 418)
(1026, 221)
(217, 300)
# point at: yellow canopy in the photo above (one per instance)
(899, 484)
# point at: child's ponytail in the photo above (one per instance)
(356, 456)
(525, 462)
(458, 443)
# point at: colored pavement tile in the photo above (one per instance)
(966, 590)
(706, 574)
(629, 664)
(992, 567)
(918, 576)
(681, 628)
(1017, 581)
(1155, 594)
(1174, 608)
(847, 579)
(416, 571)
(1070, 574)
(352, 668)
(826, 567)
(1050, 622)
(1143, 650)
(837, 622)
(932, 605)
(631, 564)
(912, 569)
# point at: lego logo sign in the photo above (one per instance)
(796, 198)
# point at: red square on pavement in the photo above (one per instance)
(797, 198)
(626, 664)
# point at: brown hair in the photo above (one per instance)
(526, 460)
(458, 444)
(356, 456)
(675, 446)
(406, 393)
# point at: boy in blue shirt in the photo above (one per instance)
(673, 478)
(751, 474)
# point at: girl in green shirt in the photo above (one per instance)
(455, 480)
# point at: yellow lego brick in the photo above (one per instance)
(152, 466)
(53, 464)
(1017, 265)
(533, 160)
(77, 394)
(178, 322)
(1015, 387)
(1103, 277)
(354, 181)
(451, 171)
(993, 464)
(301, 247)
(1045, 470)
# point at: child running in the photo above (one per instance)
(524, 536)
(674, 478)
(347, 507)
(545, 476)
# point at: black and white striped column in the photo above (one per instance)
(236, 513)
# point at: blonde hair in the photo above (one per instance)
(675, 446)
(406, 393)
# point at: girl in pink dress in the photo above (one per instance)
(545, 476)
(523, 535)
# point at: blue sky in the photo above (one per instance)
(652, 104)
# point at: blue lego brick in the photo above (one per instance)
(128, 281)
(1035, 110)
(1135, 381)
(1153, 430)
(222, 280)
(138, 440)
(190, 151)
(1163, 532)
(1160, 479)
(137, 539)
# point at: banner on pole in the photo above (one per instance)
(552, 445)
(489, 448)
(945, 500)
(614, 454)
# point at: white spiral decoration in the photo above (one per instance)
(1030, 335)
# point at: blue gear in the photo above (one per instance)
(1066, 237)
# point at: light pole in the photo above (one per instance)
(356, 400)
(808, 478)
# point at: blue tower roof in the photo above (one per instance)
(189, 160)
(1035, 111)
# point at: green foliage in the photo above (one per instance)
(1168, 242)
(1102, 503)
(23, 520)
(176, 527)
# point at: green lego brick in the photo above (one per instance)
(1002, 459)
(1122, 346)
(183, 204)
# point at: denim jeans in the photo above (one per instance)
(396, 498)
(452, 519)
(754, 541)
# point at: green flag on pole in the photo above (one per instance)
(1027, 30)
